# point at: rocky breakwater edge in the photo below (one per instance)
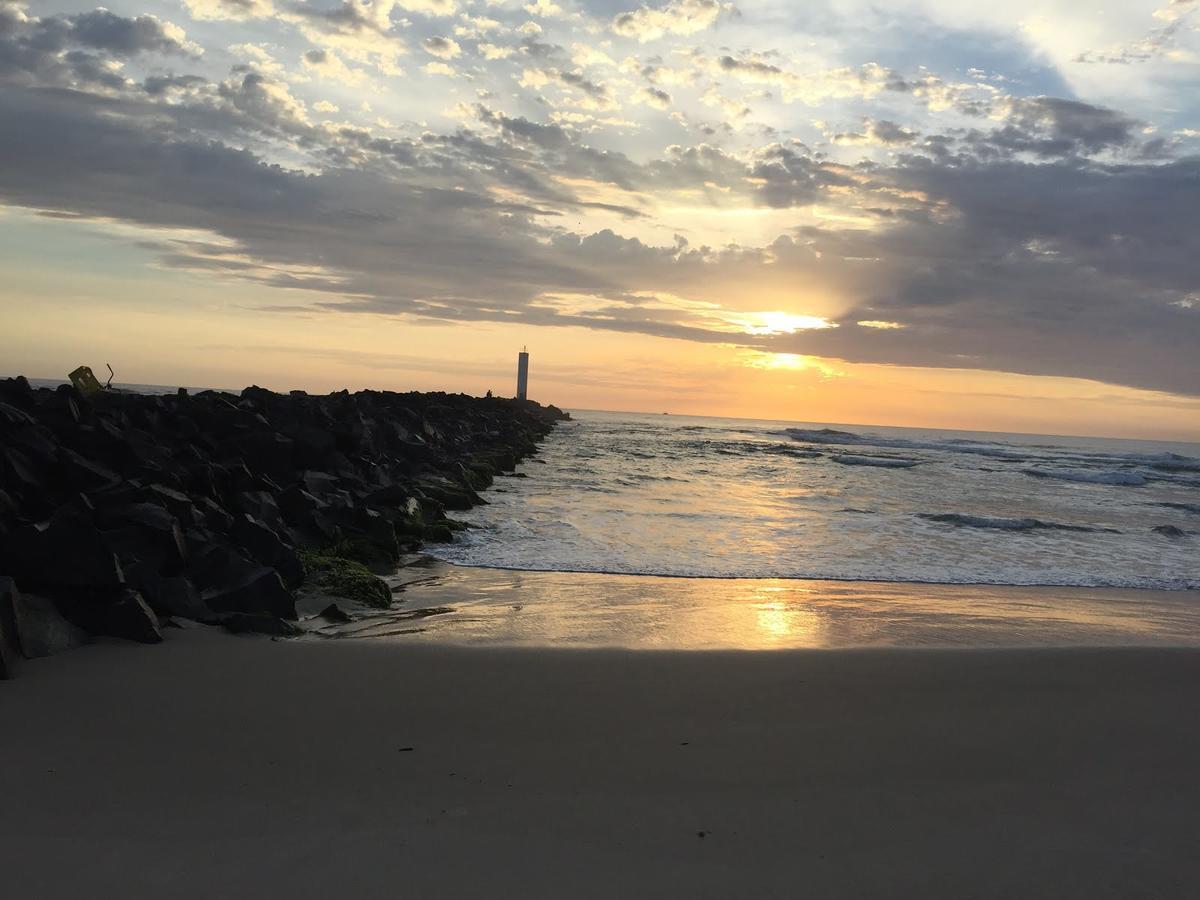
(123, 514)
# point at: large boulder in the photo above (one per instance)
(84, 474)
(229, 582)
(173, 596)
(448, 493)
(10, 647)
(41, 629)
(130, 618)
(147, 533)
(265, 546)
(67, 551)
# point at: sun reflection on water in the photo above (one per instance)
(781, 617)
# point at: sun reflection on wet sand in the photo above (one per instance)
(781, 618)
(508, 607)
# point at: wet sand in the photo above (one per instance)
(238, 767)
(443, 603)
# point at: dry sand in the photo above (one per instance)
(214, 766)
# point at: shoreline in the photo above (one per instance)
(440, 602)
(825, 579)
(235, 766)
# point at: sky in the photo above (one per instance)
(940, 213)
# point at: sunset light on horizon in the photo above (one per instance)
(929, 213)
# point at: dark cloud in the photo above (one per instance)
(1060, 268)
(1052, 127)
(788, 175)
(65, 49)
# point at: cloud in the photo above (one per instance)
(84, 49)
(1176, 9)
(594, 95)
(492, 51)
(232, 10)
(681, 17)
(1051, 126)
(442, 47)
(881, 132)
(547, 8)
(429, 7)
(327, 64)
(363, 32)
(652, 96)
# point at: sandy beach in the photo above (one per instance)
(214, 765)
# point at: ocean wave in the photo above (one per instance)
(1193, 508)
(882, 462)
(1167, 462)
(1171, 531)
(834, 437)
(1130, 479)
(1007, 524)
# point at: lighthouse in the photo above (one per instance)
(523, 374)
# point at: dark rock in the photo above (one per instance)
(257, 623)
(298, 505)
(41, 629)
(12, 416)
(171, 595)
(449, 494)
(368, 536)
(347, 578)
(10, 647)
(392, 497)
(19, 475)
(439, 533)
(130, 618)
(176, 502)
(311, 445)
(334, 613)
(146, 532)
(265, 546)
(67, 551)
(17, 391)
(319, 483)
(215, 516)
(262, 506)
(228, 582)
(83, 474)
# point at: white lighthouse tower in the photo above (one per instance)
(523, 374)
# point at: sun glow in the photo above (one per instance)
(794, 362)
(777, 322)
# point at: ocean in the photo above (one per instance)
(642, 494)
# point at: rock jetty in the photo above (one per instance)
(123, 512)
